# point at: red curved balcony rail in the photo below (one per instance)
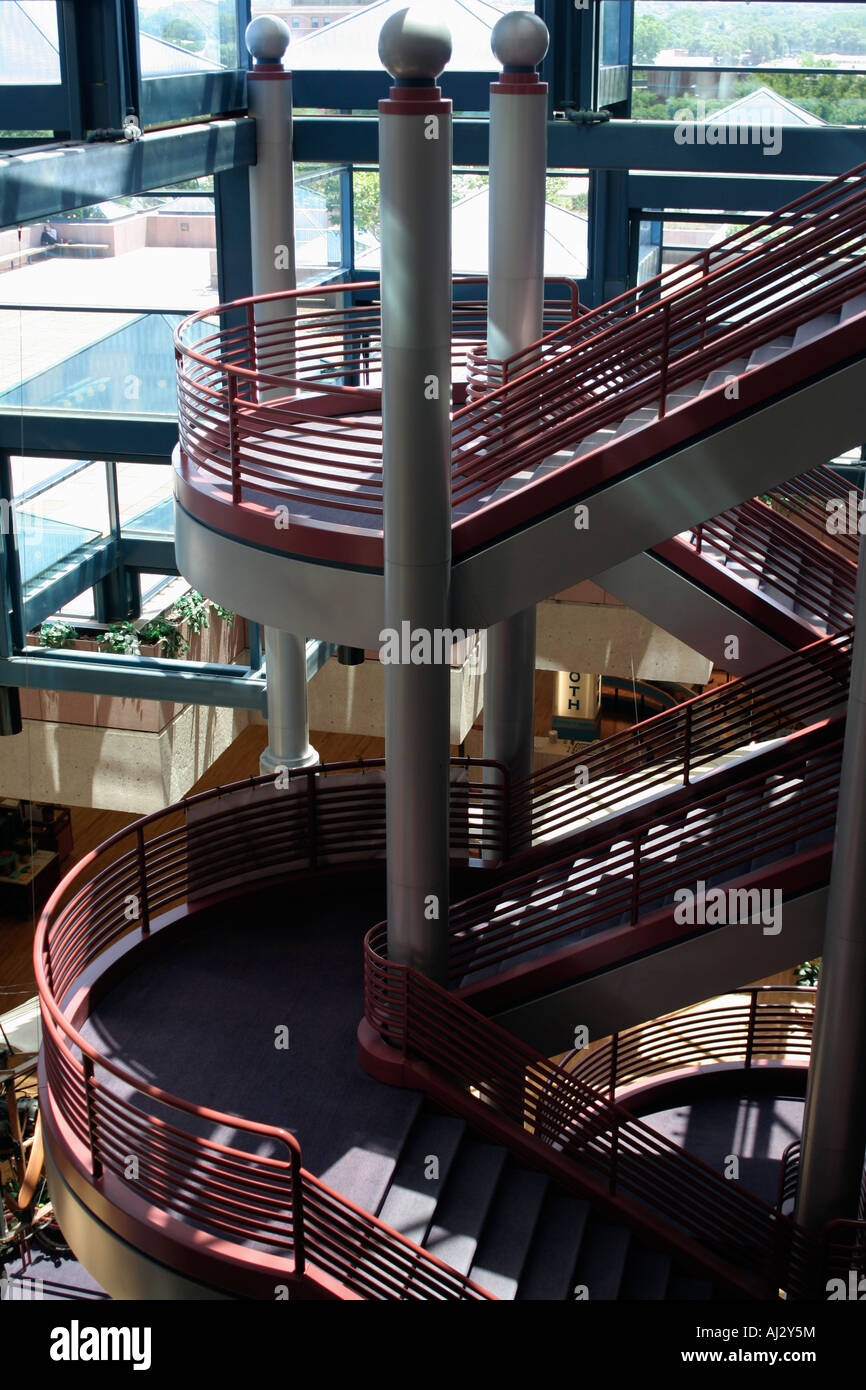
(320, 450)
(754, 1027)
(254, 1210)
(553, 1117)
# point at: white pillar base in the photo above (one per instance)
(271, 762)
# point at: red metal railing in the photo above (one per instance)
(285, 406)
(789, 1176)
(769, 1023)
(812, 502)
(677, 745)
(322, 447)
(554, 1115)
(640, 349)
(618, 878)
(786, 558)
(212, 844)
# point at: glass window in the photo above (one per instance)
(187, 36)
(29, 44)
(344, 36)
(144, 495)
(60, 506)
(318, 220)
(566, 222)
(792, 64)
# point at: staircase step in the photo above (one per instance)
(636, 421)
(508, 1232)
(768, 353)
(854, 306)
(410, 1202)
(602, 1260)
(549, 1271)
(463, 1206)
(722, 375)
(807, 332)
(646, 1275)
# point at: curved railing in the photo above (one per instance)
(283, 363)
(320, 449)
(750, 1028)
(553, 1117)
(213, 844)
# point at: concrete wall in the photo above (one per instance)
(602, 635)
(117, 769)
(351, 699)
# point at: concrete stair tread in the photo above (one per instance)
(508, 1231)
(549, 1271)
(815, 328)
(602, 1260)
(853, 307)
(462, 1208)
(411, 1199)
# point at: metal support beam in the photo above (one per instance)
(136, 677)
(52, 179)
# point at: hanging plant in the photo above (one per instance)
(226, 614)
(167, 634)
(809, 972)
(191, 609)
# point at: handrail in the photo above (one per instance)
(789, 1174)
(627, 873)
(747, 1028)
(113, 898)
(212, 843)
(553, 1112)
(674, 745)
(783, 555)
(320, 440)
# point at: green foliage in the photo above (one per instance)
(121, 638)
(226, 614)
(167, 634)
(191, 609)
(56, 632)
(185, 32)
(365, 195)
(809, 972)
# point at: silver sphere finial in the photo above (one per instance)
(519, 40)
(414, 44)
(267, 38)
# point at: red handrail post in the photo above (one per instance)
(234, 464)
(298, 1236)
(253, 355)
(750, 1036)
(666, 334)
(687, 746)
(87, 1072)
(312, 812)
(143, 907)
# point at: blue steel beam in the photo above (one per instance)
(66, 580)
(136, 677)
(40, 183)
(820, 151)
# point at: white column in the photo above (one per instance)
(415, 188)
(272, 232)
(515, 299)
